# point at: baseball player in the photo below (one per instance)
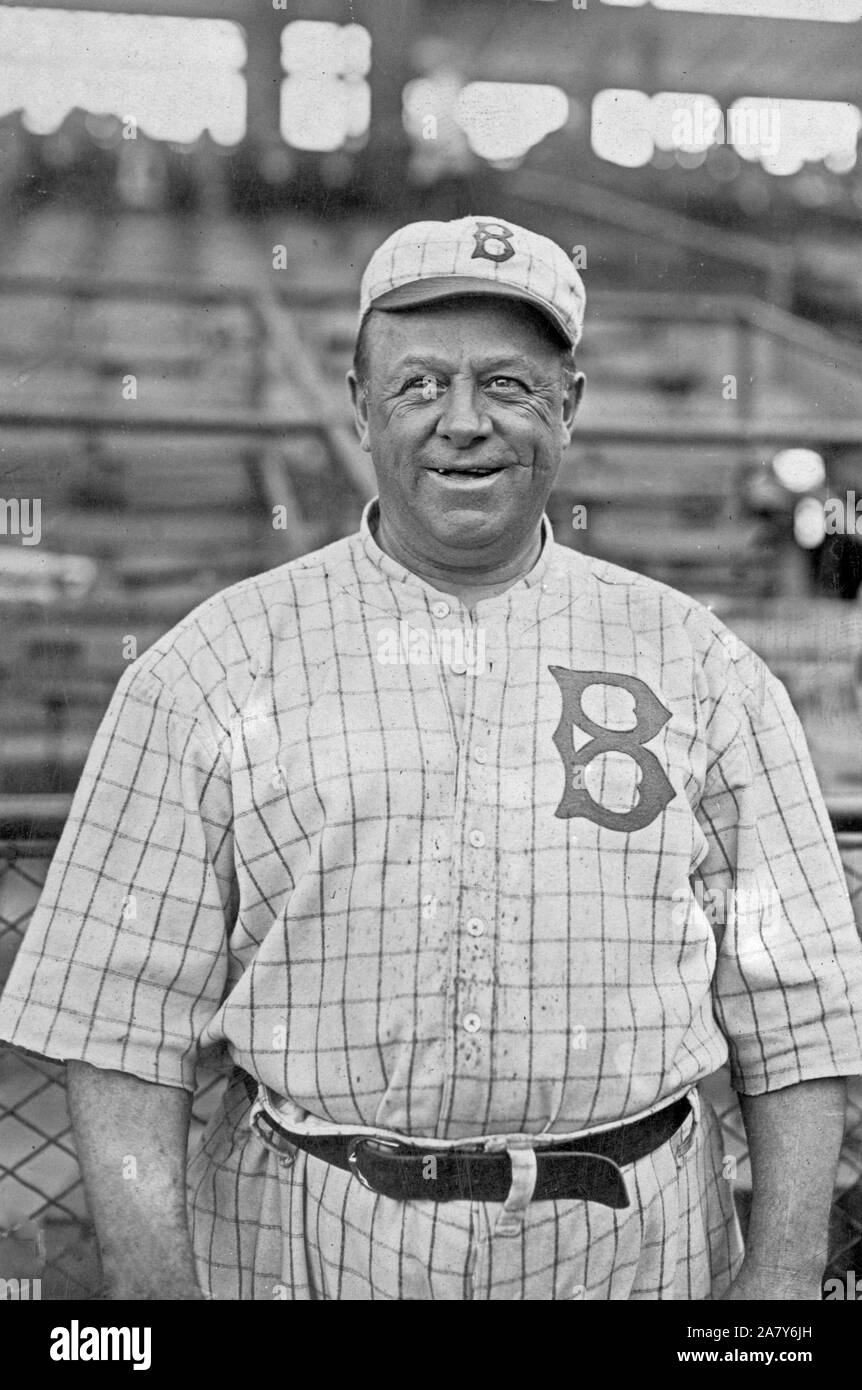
(470, 857)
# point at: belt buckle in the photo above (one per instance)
(353, 1162)
(286, 1152)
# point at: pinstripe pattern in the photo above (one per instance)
(262, 1231)
(279, 841)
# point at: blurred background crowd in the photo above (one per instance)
(189, 190)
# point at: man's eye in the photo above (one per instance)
(427, 386)
(506, 383)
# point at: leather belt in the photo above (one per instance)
(581, 1169)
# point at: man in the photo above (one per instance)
(425, 832)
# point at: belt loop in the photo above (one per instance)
(687, 1132)
(522, 1156)
(258, 1118)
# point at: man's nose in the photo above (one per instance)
(463, 420)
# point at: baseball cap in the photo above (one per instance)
(428, 261)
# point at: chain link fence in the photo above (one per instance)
(45, 1230)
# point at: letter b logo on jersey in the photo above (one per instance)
(652, 790)
(493, 242)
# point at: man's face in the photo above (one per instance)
(466, 412)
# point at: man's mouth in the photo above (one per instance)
(466, 472)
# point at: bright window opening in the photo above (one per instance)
(325, 100)
(174, 78)
(782, 134)
(622, 127)
(504, 120)
(498, 121)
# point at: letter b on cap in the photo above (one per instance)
(493, 242)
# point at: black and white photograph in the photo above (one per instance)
(431, 662)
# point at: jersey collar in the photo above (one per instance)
(401, 574)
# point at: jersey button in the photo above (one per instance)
(440, 609)
(476, 838)
(480, 754)
(458, 667)
(472, 1023)
(475, 926)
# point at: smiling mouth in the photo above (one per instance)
(465, 472)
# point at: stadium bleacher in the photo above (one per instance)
(167, 520)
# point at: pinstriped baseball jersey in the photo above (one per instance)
(286, 845)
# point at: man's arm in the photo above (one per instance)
(132, 1140)
(794, 1139)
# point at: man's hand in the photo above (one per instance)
(794, 1138)
(132, 1140)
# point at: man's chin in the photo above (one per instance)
(462, 526)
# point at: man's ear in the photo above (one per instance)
(572, 399)
(359, 401)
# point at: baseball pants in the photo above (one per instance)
(265, 1230)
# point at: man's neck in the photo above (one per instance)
(469, 586)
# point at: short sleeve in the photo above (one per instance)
(125, 958)
(787, 985)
